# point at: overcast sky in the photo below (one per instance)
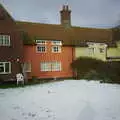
(85, 13)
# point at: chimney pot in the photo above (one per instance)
(65, 16)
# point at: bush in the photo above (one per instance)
(94, 69)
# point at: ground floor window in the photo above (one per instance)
(5, 67)
(27, 67)
(91, 50)
(50, 66)
(56, 66)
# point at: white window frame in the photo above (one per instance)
(41, 42)
(27, 67)
(41, 51)
(102, 50)
(45, 66)
(56, 66)
(50, 66)
(58, 49)
(4, 39)
(56, 42)
(4, 63)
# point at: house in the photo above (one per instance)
(51, 54)
(11, 47)
(56, 46)
(49, 49)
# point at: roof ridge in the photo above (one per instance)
(90, 28)
(30, 22)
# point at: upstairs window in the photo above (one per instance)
(41, 48)
(41, 42)
(4, 40)
(102, 50)
(56, 49)
(5, 67)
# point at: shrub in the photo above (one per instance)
(94, 69)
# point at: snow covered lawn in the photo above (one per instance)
(65, 100)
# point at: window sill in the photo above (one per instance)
(5, 73)
(56, 52)
(28, 71)
(41, 52)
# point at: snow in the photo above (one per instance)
(64, 100)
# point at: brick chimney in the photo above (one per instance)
(65, 16)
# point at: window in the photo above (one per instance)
(40, 41)
(101, 50)
(4, 40)
(56, 49)
(56, 42)
(41, 48)
(50, 66)
(27, 67)
(91, 50)
(45, 66)
(56, 66)
(5, 67)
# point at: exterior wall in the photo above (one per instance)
(114, 51)
(65, 57)
(13, 52)
(81, 52)
(84, 52)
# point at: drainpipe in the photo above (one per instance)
(72, 61)
(73, 58)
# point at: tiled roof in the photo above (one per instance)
(70, 36)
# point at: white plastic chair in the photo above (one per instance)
(20, 78)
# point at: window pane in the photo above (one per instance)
(56, 66)
(4, 40)
(45, 66)
(41, 48)
(7, 68)
(1, 41)
(56, 49)
(91, 51)
(1, 69)
(1, 64)
(101, 50)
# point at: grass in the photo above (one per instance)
(30, 83)
(14, 85)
